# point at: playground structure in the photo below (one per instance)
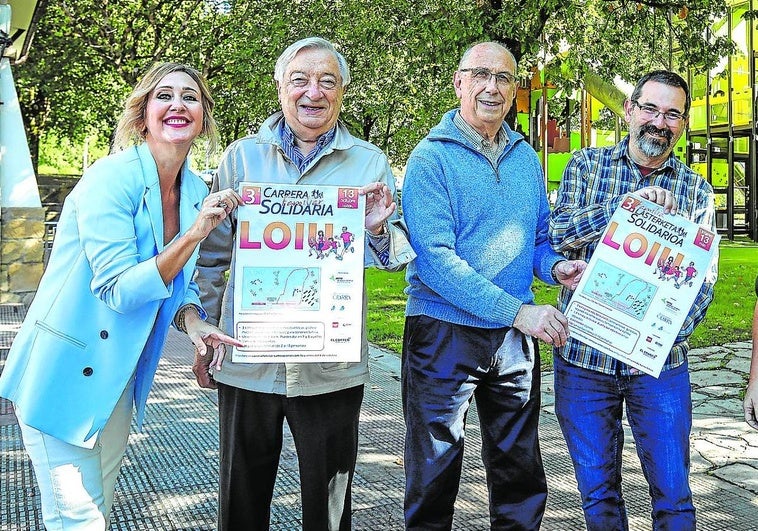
(721, 142)
(579, 124)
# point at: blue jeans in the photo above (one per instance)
(589, 404)
(444, 367)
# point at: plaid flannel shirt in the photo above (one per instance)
(593, 185)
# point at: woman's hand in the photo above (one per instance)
(216, 207)
(210, 348)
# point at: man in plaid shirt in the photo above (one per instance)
(591, 387)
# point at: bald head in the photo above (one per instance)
(485, 84)
(487, 44)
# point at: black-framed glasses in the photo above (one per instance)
(482, 76)
(651, 113)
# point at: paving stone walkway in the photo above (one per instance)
(169, 478)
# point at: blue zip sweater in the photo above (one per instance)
(479, 231)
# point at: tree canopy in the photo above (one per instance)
(87, 55)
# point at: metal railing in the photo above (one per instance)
(47, 241)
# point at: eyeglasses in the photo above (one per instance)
(651, 113)
(482, 76)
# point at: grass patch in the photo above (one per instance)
(729, 316)
(386, 308)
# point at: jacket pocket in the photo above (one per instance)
(43, 327)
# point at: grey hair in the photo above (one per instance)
(316, 43)
(493, 43)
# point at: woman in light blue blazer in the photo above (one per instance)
(119, 274)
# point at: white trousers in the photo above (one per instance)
(77, 484)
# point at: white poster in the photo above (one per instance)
(298, 291)
(640, 284)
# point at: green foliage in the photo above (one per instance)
(402, 56)
(61, 156)
(626, 38)
(87, 55)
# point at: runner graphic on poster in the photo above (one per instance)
(299, 290)
(640, 284)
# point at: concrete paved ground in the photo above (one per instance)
(169, 478)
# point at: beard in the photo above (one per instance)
(653, 146)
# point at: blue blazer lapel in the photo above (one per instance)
(191, 200)
(155, 210)
(193, 191)
(152, 199)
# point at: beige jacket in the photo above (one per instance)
(347, 161)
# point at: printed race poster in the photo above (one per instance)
(298, 291)
(640, 284)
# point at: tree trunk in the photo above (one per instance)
(33, 141)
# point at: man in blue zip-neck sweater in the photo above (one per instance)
(475, 205)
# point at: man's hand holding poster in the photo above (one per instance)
(298, 293)
(640, 284)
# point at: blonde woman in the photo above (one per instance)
(120, 272)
